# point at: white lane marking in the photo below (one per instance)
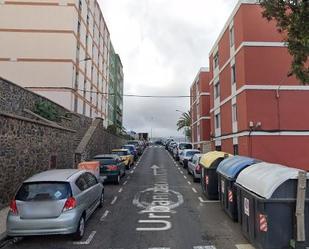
(120, 190)
(159, 248)
(88, 241)
(125, 183)
(104, 215)
(189, 183)
(134, 168)
(194, 190)
(244, 246)
(203, 201)
(132, 171)
(185, 177)
(204, 247)
(167, 225)
(114, 200)
(181, 171)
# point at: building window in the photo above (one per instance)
(232, 37)
(235, 148)
(217, 121)
(218, 148)
(216, 60)
(233, 74)
(234, 113)
(217, 90)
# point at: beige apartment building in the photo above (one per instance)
(59, 49)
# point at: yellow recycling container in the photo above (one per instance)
(209, 178)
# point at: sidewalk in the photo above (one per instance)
(3, 214)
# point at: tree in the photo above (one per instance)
(184, 122)
(292, 17)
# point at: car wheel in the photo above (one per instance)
(117, 181)
(195, 179)
(188, 171)
(101, 200)
(80, 229)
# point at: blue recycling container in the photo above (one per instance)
(266, 197)
(228, 170)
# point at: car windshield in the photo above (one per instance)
(106, 161)
(185, 146)
(128, 148)
(44, 191)
(120, 153)
(191, 153)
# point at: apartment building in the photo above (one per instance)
(59, 49)
(115, 90)
(256, 109)
(199, 108)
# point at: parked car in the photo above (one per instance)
(55, 202)
(171, 146)
(126, 156)
(112, 167)
(179, 148)
(186, 155)
(137, 145)
(194, 167)
(132, 150)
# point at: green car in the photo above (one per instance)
(112, 167)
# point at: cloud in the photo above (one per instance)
(162, 44)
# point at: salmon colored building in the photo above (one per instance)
(256, 109)
(200, 107)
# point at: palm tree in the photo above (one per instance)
(184, 122)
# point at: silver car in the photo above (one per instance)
(194, 167)
(186, 155)
(55, 202)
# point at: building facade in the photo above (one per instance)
(200, 110)
(59, 49)
(256, 109)
(115, 90)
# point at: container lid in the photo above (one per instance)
(208, 158)
(264, 178)
(232, 166)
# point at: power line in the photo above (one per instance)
(139, 95)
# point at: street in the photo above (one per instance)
(157, 205)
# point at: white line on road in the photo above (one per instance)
(181, 171)
(189, 183)
(203, 201)
(194, 190)
(114, 200)
(185, 177)
(125, 183)
(244, 246)
(132, 171)
(104, 215)
(204, 247)
(88, 241)
(134, 168)
(120, 190)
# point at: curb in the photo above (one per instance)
(3, 239)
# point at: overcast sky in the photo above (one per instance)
(162, 45)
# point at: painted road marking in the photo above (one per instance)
(114, 200)
(203, 201)
(181, 171)
(166, 225)
(104, 215)
(88, 241)
(185, 177)
(155, 169)
(134, 168)
(194, 190)
(244, 246)
(120, 190)
(125, 183)
(189, 183)
(132, 171)
(204, 247)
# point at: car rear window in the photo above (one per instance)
(120, 153)
(106, 161)
(44, 191)
(128, 148)
(185, 146)
(191, 153)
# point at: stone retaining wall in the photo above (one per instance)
(28, 147)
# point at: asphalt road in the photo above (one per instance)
(156, 206)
